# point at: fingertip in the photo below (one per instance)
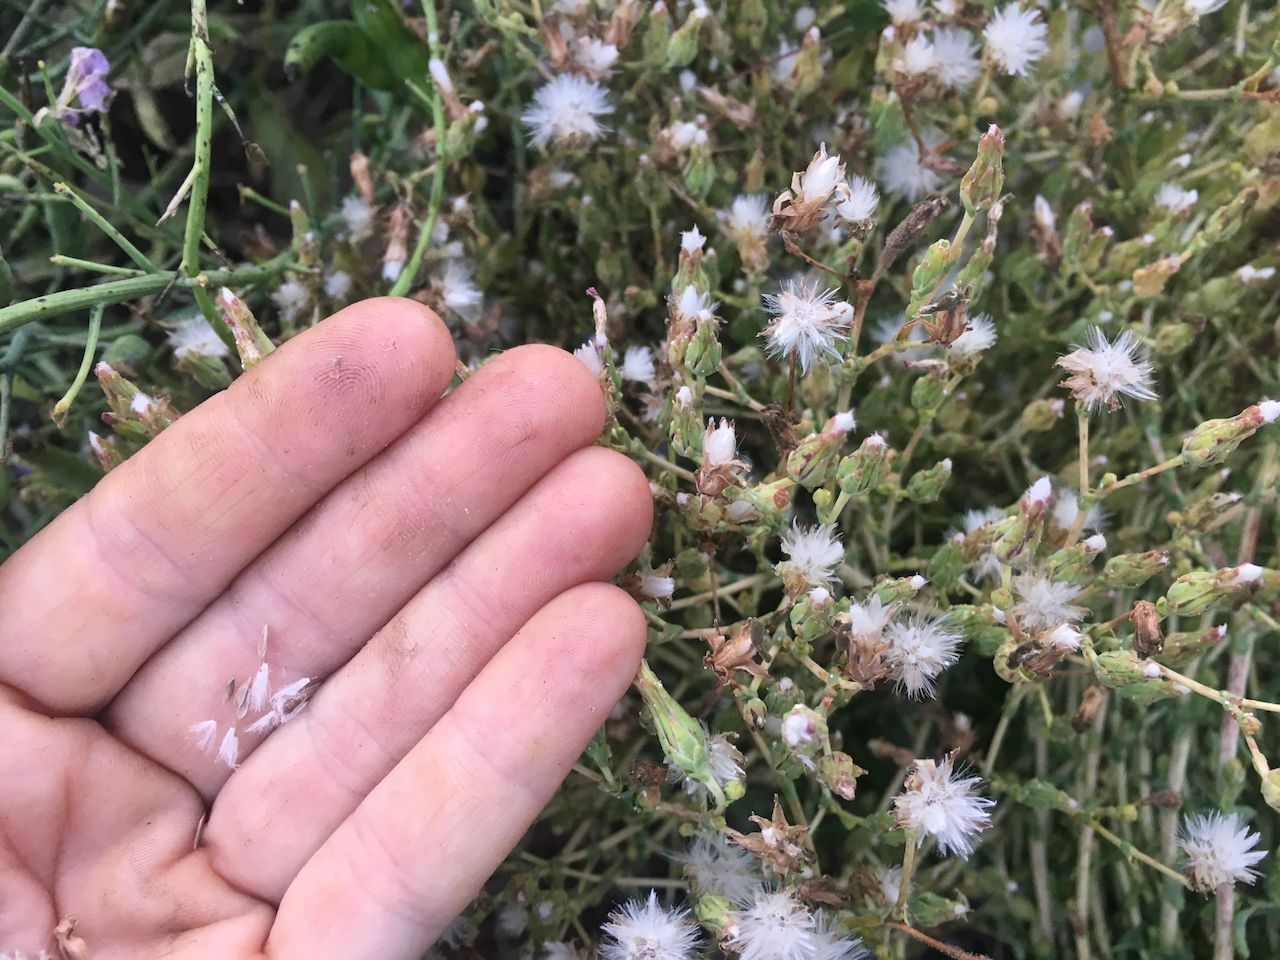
(622, 489)
(612, 631)
(576, 387)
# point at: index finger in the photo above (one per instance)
(95, 594)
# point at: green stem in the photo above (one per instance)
(410, 271)
(202, 56)
(90, 347)
(904, 885)
(117, 291)
(58, 260)
(1135, 853)
(119, 239)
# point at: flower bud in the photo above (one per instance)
(763, 503)
(755, 713)
(947, 564)
(925, 486)
(929, 272)
(815, 458)
(865, 467)
(713, 912)
(683, 739)
(892, 589)
(1215, 440)
(929, 909)
(1041, 415)
(1184, 646)
(1194, 592)
(1123, 672)
(132, 413)
(1129, 570)
(981, 186)
(1149, 281)
(105, 451)
(1071, 564)
(929, 392)
(682, 47)
(251, 343)
(804, 731)
(840, 774)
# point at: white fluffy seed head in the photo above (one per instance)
(1105, 371)
(589, 354)
(692, 241)
(195, 337)
(1176, 199)
(646, 930)
(808, 322)
(955, 57)
(979, 335)
(813, 553)
(1219, 850)
(748, 216)
(920, 648)
(718, 868)
(1270, 410)
(776, 925)
(1043, 603)
(903, 12)
(566, 110)
(859, 202)
(1015, 39)
(638, 365)
(901, 169)
(940, 803)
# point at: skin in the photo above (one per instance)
(434, 563)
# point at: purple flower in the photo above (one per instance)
(86, 81)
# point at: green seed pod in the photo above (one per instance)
(928, 394)
(1129, 570)
(925, 486)
(682, 47)
(981, 186)
(947, 564)
(893, 589)
(1122, 671)
(713, 912)
(815, 458)
(933, 266)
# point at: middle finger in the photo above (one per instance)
(349, 564)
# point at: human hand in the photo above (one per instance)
(431, 564)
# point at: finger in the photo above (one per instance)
(93, 596)
(345, 570)
(423, 842)
(583, 522)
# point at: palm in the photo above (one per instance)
(431, 565)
